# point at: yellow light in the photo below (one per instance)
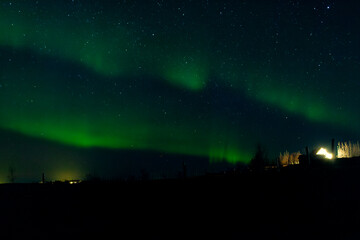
(325, 153)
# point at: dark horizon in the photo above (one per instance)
(43, 157)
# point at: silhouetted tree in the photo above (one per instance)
(286, 158)
(11, 175)
(184, 169)
(92, 178)
(260, 158)
(240, 168)
(43, 178)
(348, 150)
(131, 178)
(145, 176)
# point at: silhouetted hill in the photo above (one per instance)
(298, 204)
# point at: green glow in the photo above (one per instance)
(305, 106)
(188, 75)
(232, 155)
(190, 80)
(310, 108)
(314, 106)
(111, 50)
(108, 49)
(148, 138)
(82, 44)
(82, 120)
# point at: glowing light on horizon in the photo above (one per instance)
(325, 153)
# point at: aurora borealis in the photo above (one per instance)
(206, 79)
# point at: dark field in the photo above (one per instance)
(316, 203)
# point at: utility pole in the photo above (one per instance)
(11, 175)
(43, 178)
(333, 148)
(184, 170)
(307, 155)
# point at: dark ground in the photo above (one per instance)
(293, 204)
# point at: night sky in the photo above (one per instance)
(112, 87)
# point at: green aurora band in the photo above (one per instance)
(305, 105)
(81, 117)
(111, 49)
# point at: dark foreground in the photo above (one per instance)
(294, 204)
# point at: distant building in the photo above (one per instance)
(72, 181)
